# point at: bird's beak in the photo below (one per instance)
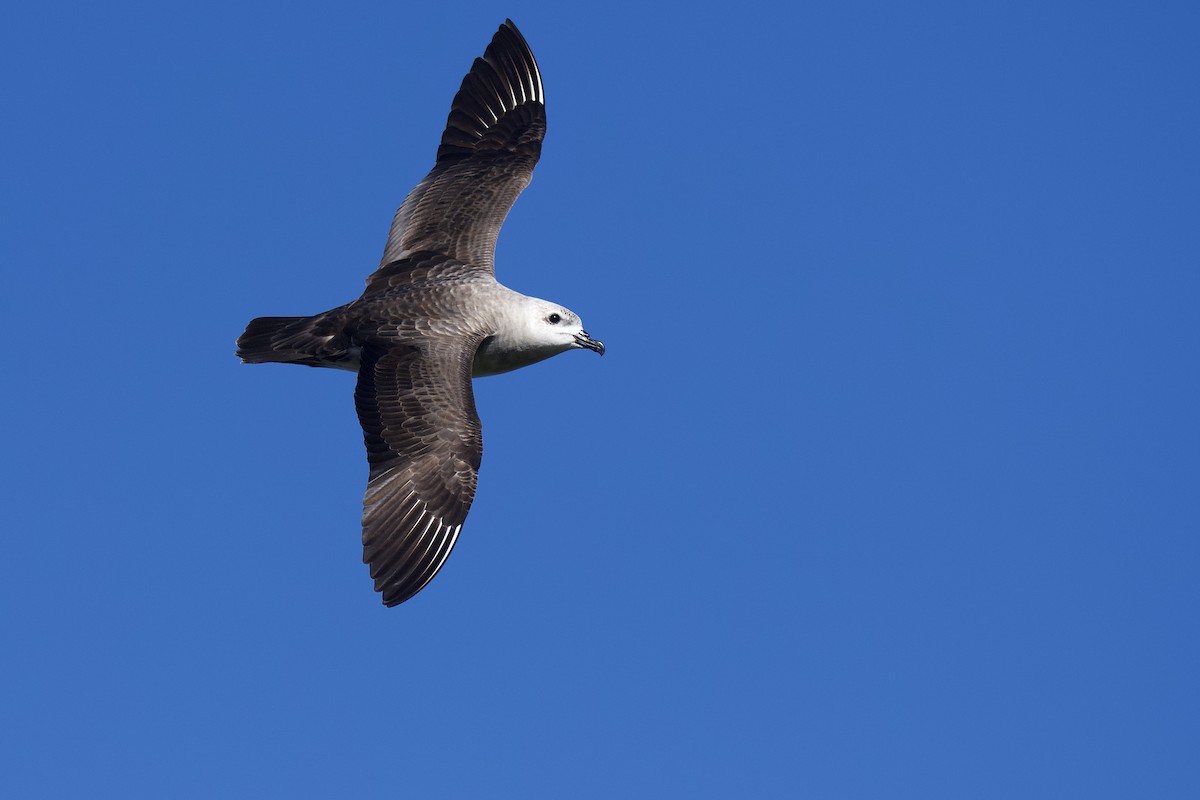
(583, 340)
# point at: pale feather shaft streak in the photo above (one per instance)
(431, 318)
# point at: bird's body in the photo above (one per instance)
(432, 317)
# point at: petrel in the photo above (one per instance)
(432, 317)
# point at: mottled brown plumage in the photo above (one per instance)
(492, 141)
(432, 316)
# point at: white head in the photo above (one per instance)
(549, 325)
(533, 330)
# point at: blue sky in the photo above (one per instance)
(886, 488)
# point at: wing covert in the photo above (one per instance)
(424, 444)
(490, 145)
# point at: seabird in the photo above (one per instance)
(432, 317)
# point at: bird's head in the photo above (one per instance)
(557, 328)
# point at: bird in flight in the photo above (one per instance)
(433, 317)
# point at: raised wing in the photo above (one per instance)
(424, 444)
(492, 141)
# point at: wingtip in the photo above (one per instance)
(511, 27)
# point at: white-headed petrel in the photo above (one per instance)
(431, 318)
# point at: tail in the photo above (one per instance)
(314, 341)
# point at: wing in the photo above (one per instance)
(424, 444)
(491, 143)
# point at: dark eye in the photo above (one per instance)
(554, 319)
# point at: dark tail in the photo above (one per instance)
(313, 341)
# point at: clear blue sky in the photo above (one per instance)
(888, 487)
